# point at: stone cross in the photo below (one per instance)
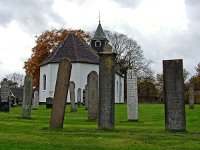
(174, 95)
(72, 96)
(60, 95)
(132, 96)
(93, 95)
(5, 103)
(106, 89)
(79, 97)
(191, 96)
(36, 100)
(27, 96)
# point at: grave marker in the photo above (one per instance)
(60, 95)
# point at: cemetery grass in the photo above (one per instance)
(79, 133)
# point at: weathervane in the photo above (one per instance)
(99, 17)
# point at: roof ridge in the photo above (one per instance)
(74, 44)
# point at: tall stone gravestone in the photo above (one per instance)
(36, 100)
(93, 95)
(86, 96)
(79, 97)
(72, 96)
(191, 96)
(132, 96)
(27, 96)
(106, 88)
(5, 103)
(60, 95)
(174, 97)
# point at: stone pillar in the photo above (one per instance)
(174, 95)
(106, 88)
(5, 103)
(93, 95)
(60, 95)
(49, 102)
(86, 96)
(72, 96)
(191, 96)
(27, 96)
(36, 100)
(132, 96)
(79, 97)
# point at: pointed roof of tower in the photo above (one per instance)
(75, 49)
(99, 33)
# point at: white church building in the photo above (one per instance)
(84, 59)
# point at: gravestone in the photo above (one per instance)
(86, 96)
(93, 95)
(36, 100)
(106, 89)
(79, 97)
(174, 97)
(27, 96)
(5, 103)
(132, 96)
(83, 97)
(49, 102)
(60, 95)
(191, 96)
(72, 96)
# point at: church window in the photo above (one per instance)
(98, 43)
(44, 82)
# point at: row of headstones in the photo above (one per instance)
(27, 97)
(175, 119)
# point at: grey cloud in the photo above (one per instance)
(129, 3)
(32, 15)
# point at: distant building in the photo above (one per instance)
(84, 59)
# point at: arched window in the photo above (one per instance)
(117, 87)
(98, 43)
(44, 82)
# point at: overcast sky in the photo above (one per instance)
(165, 29)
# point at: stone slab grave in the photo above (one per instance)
(5, 103)
(79, 97)
(86, 96)
(49, 102)
(36, 100)
(93, 95)
(191, 96)
(27, 96)
(174, 95)
(106, 111)
(72, 96)
(60, 95)
(132, 96)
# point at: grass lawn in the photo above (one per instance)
(79, 133)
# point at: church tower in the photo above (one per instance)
(99, 39)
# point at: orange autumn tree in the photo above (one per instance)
(46, 43)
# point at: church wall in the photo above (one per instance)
(79, 76)
(119, 89)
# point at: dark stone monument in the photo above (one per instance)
(106, 88)
(27, 96)
(60, 95)
(79, 97)
(5, 103)
(93, 95)
(174, 97)
(191, 96)
(86, 96)
(72, 96)
(49, 102)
